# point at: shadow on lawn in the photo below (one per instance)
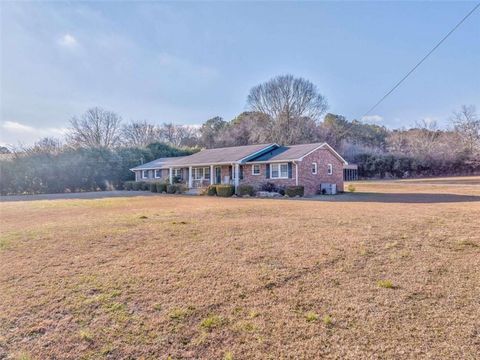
(408, 198)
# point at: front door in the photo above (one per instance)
(218, 175)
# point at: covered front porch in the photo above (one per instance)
(195, 177)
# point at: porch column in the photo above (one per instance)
(170, 175)
(296, 174)
(237, 175)
(211, 175)
(190, 183)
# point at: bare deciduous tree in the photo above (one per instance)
(467, 123)
(96, 128)
(286, 100)
(178, 135)
(140, 134)
(47, 145)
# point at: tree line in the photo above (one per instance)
(100, 147)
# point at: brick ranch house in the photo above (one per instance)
(308, 165)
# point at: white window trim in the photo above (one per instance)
(253, 169)
(279, 166)
(177, 172)
(143, 174)
(159, 173)
(202, 178)
(314, 168)
(329, 169)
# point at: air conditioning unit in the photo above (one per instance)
(328, 189)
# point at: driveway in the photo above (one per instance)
(82, 195)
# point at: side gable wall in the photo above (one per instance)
(312, 182)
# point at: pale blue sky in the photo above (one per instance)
(186, 62)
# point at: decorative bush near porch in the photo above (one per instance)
(293, 191)
(225, 190)
(245, 190)
(211, 190)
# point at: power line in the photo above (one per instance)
(423, 59)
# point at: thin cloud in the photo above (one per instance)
(372, 119)
(68, 41)
(15, 129)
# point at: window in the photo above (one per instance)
(158, 174)
(144, 174)
(314, 168)
(329, 169)
(197, 173)
(256, 169)
(206, 172)
(177, 173)
(279, 171)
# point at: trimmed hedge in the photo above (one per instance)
(161, 187)
(293, 191)
(243, 190)
(128, 185)
(225, 190)
(211, 190)
(175, 188)
(138, 185)
(153, 186)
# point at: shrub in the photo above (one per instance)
(161, 187)
(243, 190)
(225, 190)
(175, 189)
(128, 185)
(211, 190)
(146, 186)
(351, 188)
(293, 191)
(281, 191)
(268, 186)
(153, 187)
(138, 185)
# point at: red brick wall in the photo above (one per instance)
(257, 180)
(312, 182)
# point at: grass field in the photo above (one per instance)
(390, 271)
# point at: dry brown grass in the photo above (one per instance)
(210, 278)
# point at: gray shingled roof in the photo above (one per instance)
(221, 155)
(158, 163)
(292, 152)
(233, 154)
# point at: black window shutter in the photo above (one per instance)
(289, 170)
(230, 171)
(267, 172)
(241, 172)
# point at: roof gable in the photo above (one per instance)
(293, 152)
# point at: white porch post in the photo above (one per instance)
(170, 175)
(190, 183)
(211, 175)
(237, 175)
(296, 174)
